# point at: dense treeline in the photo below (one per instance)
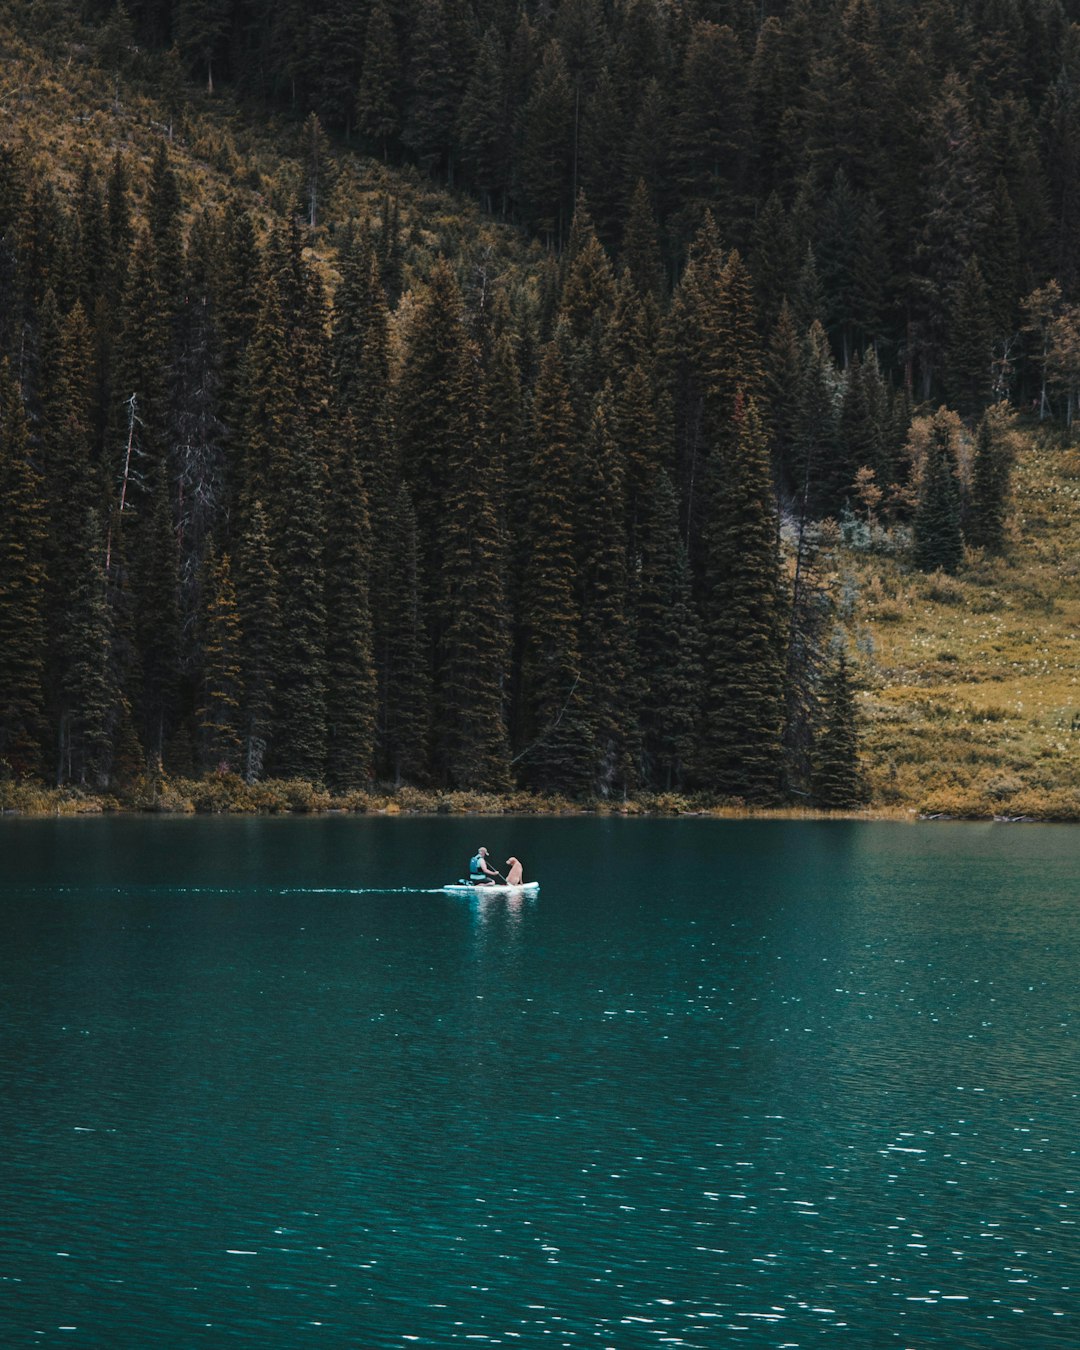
(905, 172)
(572, 534)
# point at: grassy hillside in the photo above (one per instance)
(972, 683)
(60, 106)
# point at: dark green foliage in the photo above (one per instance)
(667, 642)
(377, 113)
(713, 135)
(810, 615)
(984, 526)
(822, 470)
(260, 625)
(351, 690)
(405, 680)
(434, 91)
(609, 685)
(86, 737)
(546, 161)
(163, 218)
(461, 483)
(22, 590)
(300, 670)
(483, 125)
(155, 584)
(483, 541)
(221, 690)
(318, 167)
(837, 781)
(558, 753)
(640, 253)
(744, 674)
(199, 27)
(938, 542)
(969, 353)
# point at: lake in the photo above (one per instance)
(722, 1083)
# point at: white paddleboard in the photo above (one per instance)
(463, 888)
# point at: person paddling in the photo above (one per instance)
(480, 873)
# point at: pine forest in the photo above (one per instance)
(589, 402)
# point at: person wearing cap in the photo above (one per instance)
(480, 873)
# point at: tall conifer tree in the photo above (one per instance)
(404, 661)
(938, 542)
(22, 589)
(221, 691)
(558, 753)
(351, 691)
(668, 643)
(837, 783)
(260, 622)
(741, 751)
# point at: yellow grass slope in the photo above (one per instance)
(972, 683)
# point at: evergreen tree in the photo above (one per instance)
(199, 27)
(260, 622)
(377, 112)
(823, 473)
(938, 542)
(743, 714)
(403, 666)
(837, 781)
(72, 490)
(483, 126)
(89, 254)
(558, 753)
(712, 135)
(863, 429)
(235, 310)
(351, 688)
(300, 686)
(609, 686)
(1001, 263)
(586, 302)
(87, 695)
(140, 370)
(599, 159)
(991, 473)
(121, 233)
(433, 416)
(810, 614)
(164, 221)
(318, 167)
(221, 689)
(782, 380)
(270, 400)
(22, 589)
(772, 260)
(432, 107)
(956, 215)
(546, 157)
(640, 254)
(969, 353)
(668, 643)
(155, 588)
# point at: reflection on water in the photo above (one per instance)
(750, 1084)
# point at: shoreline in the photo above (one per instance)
(229, 795)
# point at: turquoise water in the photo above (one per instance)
(721, 1084)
